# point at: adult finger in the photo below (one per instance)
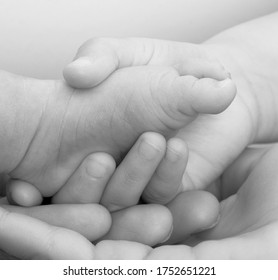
(90, 220)
(28, 238)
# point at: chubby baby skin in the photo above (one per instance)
(49, 127)
(248, 51)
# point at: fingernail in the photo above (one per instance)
(95, 169)
(148, 150)
(175, 150)
(168, 236)
(172, 155)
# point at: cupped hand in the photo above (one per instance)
(248, 224)
(247, 228)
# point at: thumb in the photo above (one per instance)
(28, 238)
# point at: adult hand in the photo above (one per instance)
(47, 231)
(23, 237)
(248, 225)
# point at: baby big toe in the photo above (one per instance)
(86, 72)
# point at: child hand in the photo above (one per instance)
(149, 164)
(149, 224)
(76, 208)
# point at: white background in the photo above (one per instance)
(225, 270)
(38, 37)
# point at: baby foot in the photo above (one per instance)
(110, 117)
(97, 58)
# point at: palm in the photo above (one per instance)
(249, 218)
